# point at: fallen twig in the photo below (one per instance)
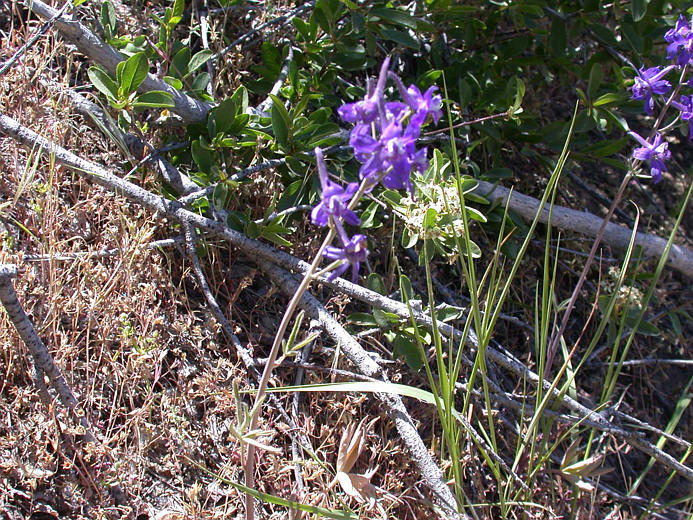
(98, 174)
(41, 31)
(103, 253)
(393, 403)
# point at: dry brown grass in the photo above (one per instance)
(136, 343)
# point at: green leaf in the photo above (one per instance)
(103, 82)
(108, 19)
(178, 8)
(631, 36)
(321, 19)
(275, 238)
(405, 288)
(376, 283)
(199, 59)
(174, 82)
(221, 195)
(240, 98)
(409, 239)
(133, 73)
(445, 312)
(595, 80)
(429, 220)
(281, 122)
(607, 99)
(399, 37)
(199, 84)
(154, 99)
(224, 114)
(475, 214)
(368, 216)
(519, 96)
(557, 37)
(362, 319)
(202, 156)
(395, 16)
(638, 8)
(409, 350)
(474, 249)
(179, 62)
(381, 319)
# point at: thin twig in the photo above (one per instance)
(43, 361)
(190, 244)
(298, 438)
(393, 403)
(263, 108)
(278, 20)
(31, 41)
(649, 361)
(206, 192)
(104, 253)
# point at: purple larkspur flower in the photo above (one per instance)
(423, 106)
(655, 153)
(367, 110)
(649, 82)
(353, 253)
(685, 105)
(334, 198)
(680, 40)
(391, 158)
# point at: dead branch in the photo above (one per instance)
(680, 257)
(97, 173)
(189, 109)
(365, 364)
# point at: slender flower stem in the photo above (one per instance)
(469, 123)
(274, 351)
(553, 345)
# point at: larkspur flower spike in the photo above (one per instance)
(685, 106)
(384, 141)
(386, 145)
(354, 252)
(366, 110)
(680, 40)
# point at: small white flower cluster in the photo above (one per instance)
(445, 200)
(627, 297)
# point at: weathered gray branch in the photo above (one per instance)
(368, 367)
(257, 250)
(680, 257)
(43, 361)
(189, 109)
